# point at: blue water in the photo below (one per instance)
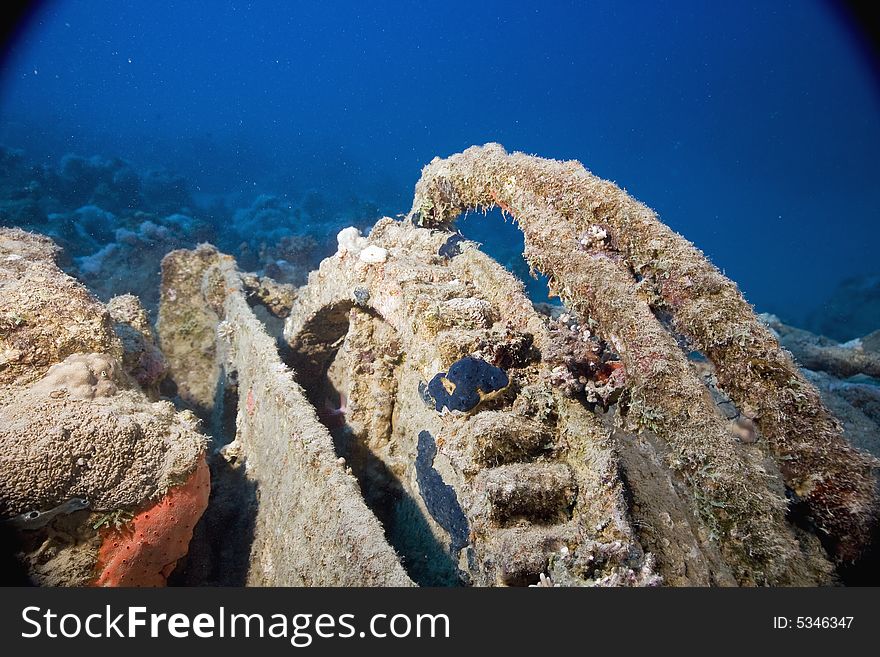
(751, 127)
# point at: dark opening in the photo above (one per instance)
(220, 549)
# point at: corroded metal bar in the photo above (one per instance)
(312, 527)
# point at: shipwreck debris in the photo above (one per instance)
(558, 204)
(420, 421)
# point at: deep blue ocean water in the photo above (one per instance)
(752, 127)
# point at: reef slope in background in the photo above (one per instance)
(407, 415)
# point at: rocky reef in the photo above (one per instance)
(405, 415)
(114, 223)
(87, 460)
(850, 312)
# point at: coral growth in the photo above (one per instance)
(82, 441)
(115, 223)
(81, 376)
(442, 310)
(45, 315)
(73, 434)
(130, 261)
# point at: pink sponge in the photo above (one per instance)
(146, 551)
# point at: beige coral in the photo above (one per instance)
(69, 436)
(45, 315)
(81, 376)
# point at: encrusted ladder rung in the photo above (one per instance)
(542, 493)
(524, 552)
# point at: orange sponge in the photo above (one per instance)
(146, 551)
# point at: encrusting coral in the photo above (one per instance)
(612, 260)
(83, 431)
(81, 376)
(539, 471)
(527, 476)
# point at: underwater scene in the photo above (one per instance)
(459, 294)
